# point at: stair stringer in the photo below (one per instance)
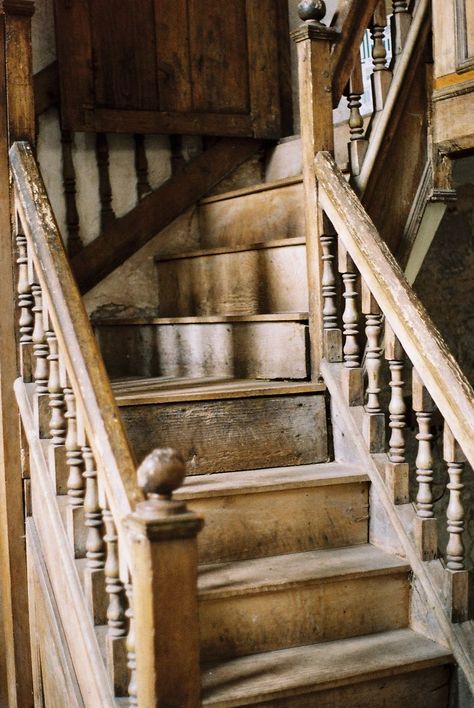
(428, 614)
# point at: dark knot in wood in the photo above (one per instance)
(312, 10)
(161, 472)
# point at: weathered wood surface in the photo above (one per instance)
(129, 233)
(46, 88)
(75, 335)
(409, 320)
(236, 434)
(270, 278)
(265, 349)
(453, 129)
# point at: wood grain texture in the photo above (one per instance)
(214, 436)
(173, 57)
(129, 233)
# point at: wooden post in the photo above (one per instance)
(164, 552)
(17, 119)
(314, 42)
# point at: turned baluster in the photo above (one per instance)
(141, 167)
(75, 480)
(116, 609)
(353, 375)
(25, 303)
(331, 332)
(105, 189)
(74, 243)
(40, 353)
(382, 76)
(95, 545)
(131, 649)
(358, 144)
(456, 574)
(375, 420)
(401, 21)
(425, 529)
(57, 423)
(397, 469)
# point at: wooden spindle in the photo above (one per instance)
(177, 157)
(425, 527)
(116, 609)
(457, 576)
(57, 423)
(94, 575)
(375, 419)
(25, 304)
(74, 243)
(331, 332)
(382, 76)
(358, 144)
(401, 21)
(141, 167)
(353, 375)
(40, 354)
(397, 469)
(105, 189)
(132, 688)
(75, 481)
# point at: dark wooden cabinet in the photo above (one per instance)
(174, 66)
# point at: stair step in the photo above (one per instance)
(289, 600)
(227, 425)
(258, 513)
(395, 668)
(273, 210)
(266, 277)
(255, 346)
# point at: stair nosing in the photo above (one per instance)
(236, 248)
(203, 319)
(335, 574)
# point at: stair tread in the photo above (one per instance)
(202, 319)
(234, 248)
(252, 679)
(142, 391)
(272, 479)
(253, 189)
(264, 574)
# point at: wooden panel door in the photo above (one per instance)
(174, 66)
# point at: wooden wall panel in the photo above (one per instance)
(173, 60)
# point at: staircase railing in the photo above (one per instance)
(114, 551)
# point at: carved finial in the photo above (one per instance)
(312, 10)
(161, 472)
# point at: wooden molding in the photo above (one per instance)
(464, 61)
(125, 236)
(18, 7)
(46, 88)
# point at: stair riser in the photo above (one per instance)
(256, 350)
(285, 521)
(248, 624)
(235, 434)
(268, 280)
(253, 218)
(428, 688)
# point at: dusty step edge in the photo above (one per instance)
(434, 655)
(201, 319)
(253, 189)
(237, 248)
(143, 398)
(226, 484)
(334, 574)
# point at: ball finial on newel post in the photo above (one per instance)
(312, 10)
(159, 475)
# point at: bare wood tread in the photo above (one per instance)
(253, 189)
(238, 248)
(269, 480)
(202, 319)
(147, 391)
(219, 580)
(298, 671)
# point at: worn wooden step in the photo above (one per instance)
(302, 598)
(273, 210)
(255, 346)
(396, 668)
(257, 278)
(226, 425)
(267, 512)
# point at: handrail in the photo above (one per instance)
(85, 367)
(446, 383)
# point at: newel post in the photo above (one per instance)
(314, 40)
(164, 556)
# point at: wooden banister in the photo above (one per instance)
(409, 320)
(75, 335)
